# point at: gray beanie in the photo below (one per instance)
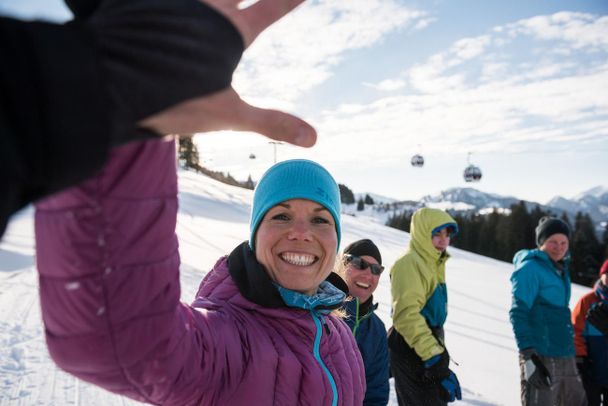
(547, 226)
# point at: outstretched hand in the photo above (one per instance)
(225, 110)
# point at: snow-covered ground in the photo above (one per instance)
(213, 219)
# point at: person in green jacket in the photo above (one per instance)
(419, 358)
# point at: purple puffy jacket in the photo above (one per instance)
(108, 259)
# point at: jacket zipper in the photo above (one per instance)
(317, 356)
(356, 317)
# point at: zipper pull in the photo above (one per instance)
(325, 325)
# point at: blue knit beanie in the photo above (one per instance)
(294, 179)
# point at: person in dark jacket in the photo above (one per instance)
(540, 317)
(70, 92)
(590, 320)
(363, 264)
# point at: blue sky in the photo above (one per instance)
(522, 85)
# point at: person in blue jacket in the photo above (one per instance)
(363, 269)
(541, 321)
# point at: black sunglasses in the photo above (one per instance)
(362, 264)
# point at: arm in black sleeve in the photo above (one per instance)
(70, 92)
(54, 117)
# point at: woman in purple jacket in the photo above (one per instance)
(261, 329)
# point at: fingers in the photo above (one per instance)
(263, 14)
(225, 110)
(276, 125)
(251, 21)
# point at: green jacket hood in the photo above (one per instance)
(424, 221)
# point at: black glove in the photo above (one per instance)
(436, 370)
(597, 316)
(535, 372)
(159, 53)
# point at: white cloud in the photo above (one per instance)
(468, 48)
(300, 51)
(578, 29)
(423, 23)
(386, 85)
(497, 92)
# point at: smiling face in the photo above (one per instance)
(297, 242)
(441, 239)
(361, 282)
(556, 246)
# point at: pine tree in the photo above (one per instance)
(488, 245)
(188, 153)
(605, 242)
(521, 230)
(346, 195)
(249, 183)
(368, 199)
(360, 204)
(585, 250)
(400, 221)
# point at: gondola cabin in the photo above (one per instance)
(472, 173)
(417, 161)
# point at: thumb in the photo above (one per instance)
(276, 125)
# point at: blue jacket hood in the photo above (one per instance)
(525, 255)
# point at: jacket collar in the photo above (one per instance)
(367, 307)
(538, 255)
(256, 286)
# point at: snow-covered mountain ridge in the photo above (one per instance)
(593, 202)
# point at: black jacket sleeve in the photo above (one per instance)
(69, 92)
(54, 115)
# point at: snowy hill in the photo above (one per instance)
(214, 218)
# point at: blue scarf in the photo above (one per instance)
(327, 298)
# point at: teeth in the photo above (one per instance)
(298, 259)
(362, 285)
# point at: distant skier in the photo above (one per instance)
(419, 357)
(541, 319)
(260, 330)
(363, 269)
(590, 319)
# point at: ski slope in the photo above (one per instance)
(213, 219)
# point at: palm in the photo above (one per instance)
(225, 110)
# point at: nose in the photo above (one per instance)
(367, 272)
(300, 230)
